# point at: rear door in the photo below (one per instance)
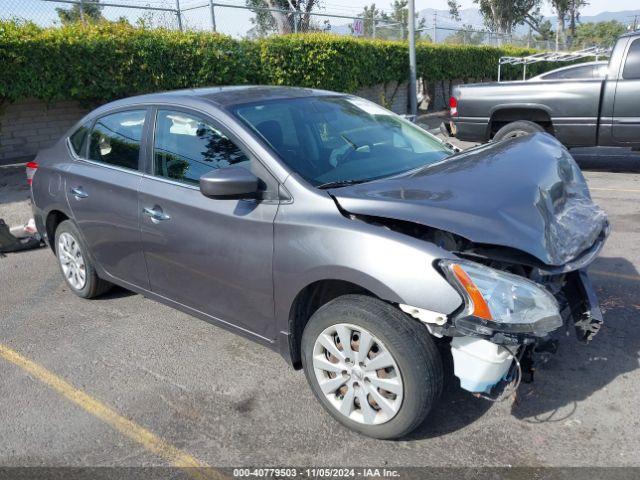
(214, 256)
(626, 110)
(102, 192)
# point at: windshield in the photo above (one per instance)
(333, 140)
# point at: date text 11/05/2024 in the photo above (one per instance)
(366, 472)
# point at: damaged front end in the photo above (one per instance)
(523, 233)
(513, 304)
(507, 320)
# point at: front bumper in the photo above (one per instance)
(581, 306)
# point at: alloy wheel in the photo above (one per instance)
(72, 261)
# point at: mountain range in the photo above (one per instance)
(472, 16)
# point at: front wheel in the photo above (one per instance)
(372, 368)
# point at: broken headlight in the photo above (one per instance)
(499, 301)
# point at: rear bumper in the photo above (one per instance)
(38, 217)
(470, 129)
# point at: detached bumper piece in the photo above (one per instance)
(582, 305)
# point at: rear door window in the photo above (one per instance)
(632, 65)
(78, 140)
(116, 139)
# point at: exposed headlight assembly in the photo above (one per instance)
(499, 301)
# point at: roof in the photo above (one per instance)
(224, 96)
(571, 67)
(630, 34)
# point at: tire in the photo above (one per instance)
(414, 374)
(74, 262)
(517, 129)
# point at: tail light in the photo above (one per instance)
(31, 170)
(453, 105)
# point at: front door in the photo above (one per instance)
(102, 191)
(214, 256)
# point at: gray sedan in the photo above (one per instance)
(581, 71)
(333, 231)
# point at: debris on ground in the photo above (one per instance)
(25, 237)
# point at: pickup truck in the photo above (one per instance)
(580, 113)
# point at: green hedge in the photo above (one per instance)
(103, 62)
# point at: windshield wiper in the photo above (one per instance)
(352, 144)
(340, 183)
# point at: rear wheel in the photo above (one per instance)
(517, 129)
(75, 265)
(371, 367)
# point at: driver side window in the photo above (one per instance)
(187, 146)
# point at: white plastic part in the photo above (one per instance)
(426, 316)
(479, 364)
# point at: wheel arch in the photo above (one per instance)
(53, 219)
(308, 301)
(503, 115)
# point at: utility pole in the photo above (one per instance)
(413, 100)
(435, 27)
(213, 15)
(179, 14)
(82, 12)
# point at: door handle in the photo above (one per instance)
(155, 215)
(79, 193)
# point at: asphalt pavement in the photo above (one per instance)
(125, 381)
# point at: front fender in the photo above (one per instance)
(395, 267)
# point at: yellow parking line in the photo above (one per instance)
(135, 432)
(614, 189)
(624, 276)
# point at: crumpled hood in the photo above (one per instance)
(527, 193)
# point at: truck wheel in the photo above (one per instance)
(75, 265)
(374, 369)
(517, 129)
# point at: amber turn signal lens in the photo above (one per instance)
(480, 307)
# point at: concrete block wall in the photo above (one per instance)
(31, 125)
(399, 101)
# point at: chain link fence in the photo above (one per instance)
(235, 18)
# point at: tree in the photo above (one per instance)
(157, 19)
(400, 15)
(91, 11)
(291, 15)
(389, 24)
(561, 8)
(574, 14)
(502, 16)
(370, 14)
(567, 10)
(545, 32)
(601, 34)
(467, 36)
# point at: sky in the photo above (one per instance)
(237, 22)
(594, 7)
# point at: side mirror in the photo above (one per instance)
(229, 183)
